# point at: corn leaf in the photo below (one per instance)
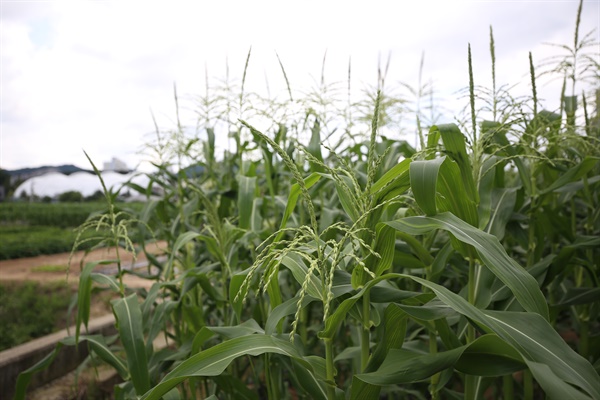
(579, 295)
(532, 336)
(572, 174)
(246, 194)
(396, 179)
(314, 146)
(454, 194)
(522, 284)
(423, 181)
(96, 343)
(308, 381)
(293, 199)
(503, 203)
(394, 331)
(213, 361)
(490, 356)
(129, 322)
(84, 292)
(405, 366)
(385, 247)
(299, 270)
(455, 146)
(554, 387)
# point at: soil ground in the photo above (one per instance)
(46, 268)
(54, 268)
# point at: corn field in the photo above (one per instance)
(317, 258)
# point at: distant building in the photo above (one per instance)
(115, 165)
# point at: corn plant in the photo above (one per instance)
(303, 264)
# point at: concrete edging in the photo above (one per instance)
(17, 359)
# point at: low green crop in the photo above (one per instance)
(30, 310)
(32, 229)
(63, 215)
(28, 241)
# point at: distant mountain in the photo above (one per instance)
(26, 173)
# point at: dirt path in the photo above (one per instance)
(54, 267)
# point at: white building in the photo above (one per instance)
(115, 165)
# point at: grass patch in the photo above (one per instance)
(30, 310)
(49, 268)
(61, 215)
(28, 241)
(29, 230)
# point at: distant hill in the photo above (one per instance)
(26, 173)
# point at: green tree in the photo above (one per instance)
(70, 196)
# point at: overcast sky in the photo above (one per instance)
(85, 75)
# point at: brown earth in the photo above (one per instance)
(46, 268)
(60, 267)
(56, 268)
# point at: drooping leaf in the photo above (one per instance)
(309, 382)
(246, 328)
(84, 294)
(532, 336)
(572, 174)
(490, 356)
(106, 280)
(406, 366)
(385, 247)
(428, 312)
(284, 309)
(213, 361)
(439, 263)
(346, 192)
(554, 387)
(182, 239)
(487, 178)
(523, 285)
(235, 296)
(333, 322)
(512, 151)
(160, 317)
(394, 331)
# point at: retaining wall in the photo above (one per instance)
(18, 359)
